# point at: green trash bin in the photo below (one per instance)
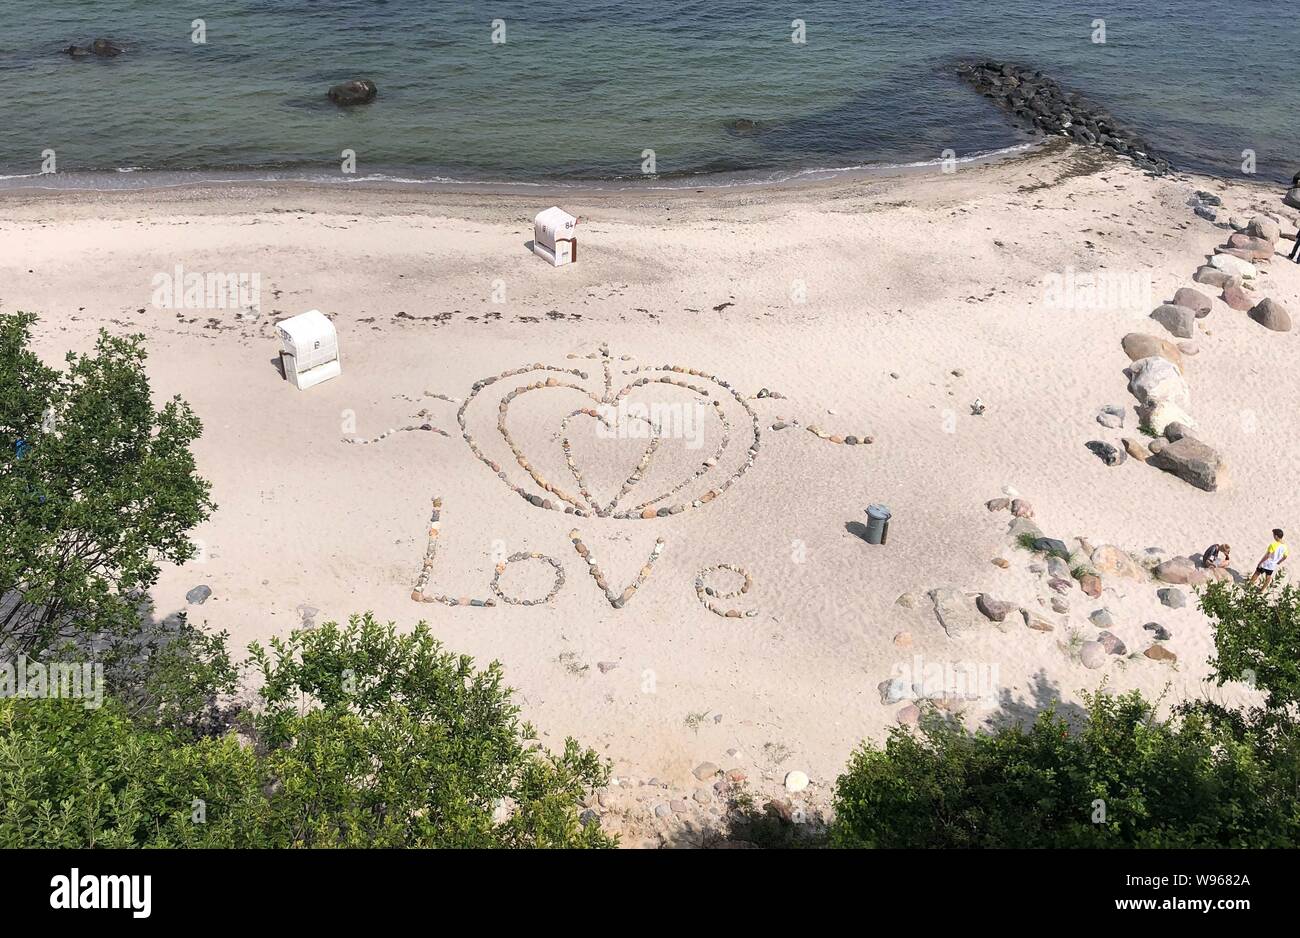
(877, 524)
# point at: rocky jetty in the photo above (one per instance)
(1039, 102)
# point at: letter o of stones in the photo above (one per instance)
(528, 555)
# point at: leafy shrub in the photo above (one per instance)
(96, 489)
(1211, 776)
(363, 738)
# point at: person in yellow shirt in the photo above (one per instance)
(1276, 555)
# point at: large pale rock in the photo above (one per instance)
(1092, 654)
(1160, 415)
(1194, 300)
(1022, 526)
(1182, 571)
(1156, 379)
(1271, 314)
(1192, 461)
(1179, 320)
(1234, 265)
(1109, 560)
(1264, 228)
(954, 611)
(1036, 622)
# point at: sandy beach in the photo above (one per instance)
(879, 307)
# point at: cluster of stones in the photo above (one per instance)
(1234, 269)
(1156, 373)
(1065, 567)
(1079, 560)
(584, 505)
(427, 427)
(1039, 102)
(847, 439)
(556, 585)
(711, 806)
(707, 594)
(617, 600)
(426, 571)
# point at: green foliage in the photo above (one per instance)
(405, 744)
(363, 738)
(1257, 639)
(1190, 782)
(1212, 776)
(77, 777)
(104, 490)
(173, 675)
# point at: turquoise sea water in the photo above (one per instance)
(580, 89)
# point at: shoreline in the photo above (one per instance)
(155, 180)
(811, 182)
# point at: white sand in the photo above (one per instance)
(918, 274)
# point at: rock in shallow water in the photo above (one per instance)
(357, 91)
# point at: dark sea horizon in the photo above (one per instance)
(617, 93)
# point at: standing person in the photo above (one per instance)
(1295, 249)
(1276, 555)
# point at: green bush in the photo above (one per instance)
(96, 489)
(1209, 776)
(1180, 783)
(362, 738)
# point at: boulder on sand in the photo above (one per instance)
(1136, 448)
(1192, 461)
(995, 610)
(1264, 228)
(1139, 345)
(1271, 314)
(1237, 297)
(1181, 571)
(1234, 265)
(1194, 300)
(953, 610)
(1092, 655)
(1179, 320)
(1109, 560)
(1107, 452)
(1160, 415)
(1212, 276)
(1255, 248)
(1156, 379)
(357, 91)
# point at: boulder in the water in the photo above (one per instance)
(357, 91)
(105, 48)
(744, 127)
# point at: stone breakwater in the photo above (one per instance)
(1039, 102)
